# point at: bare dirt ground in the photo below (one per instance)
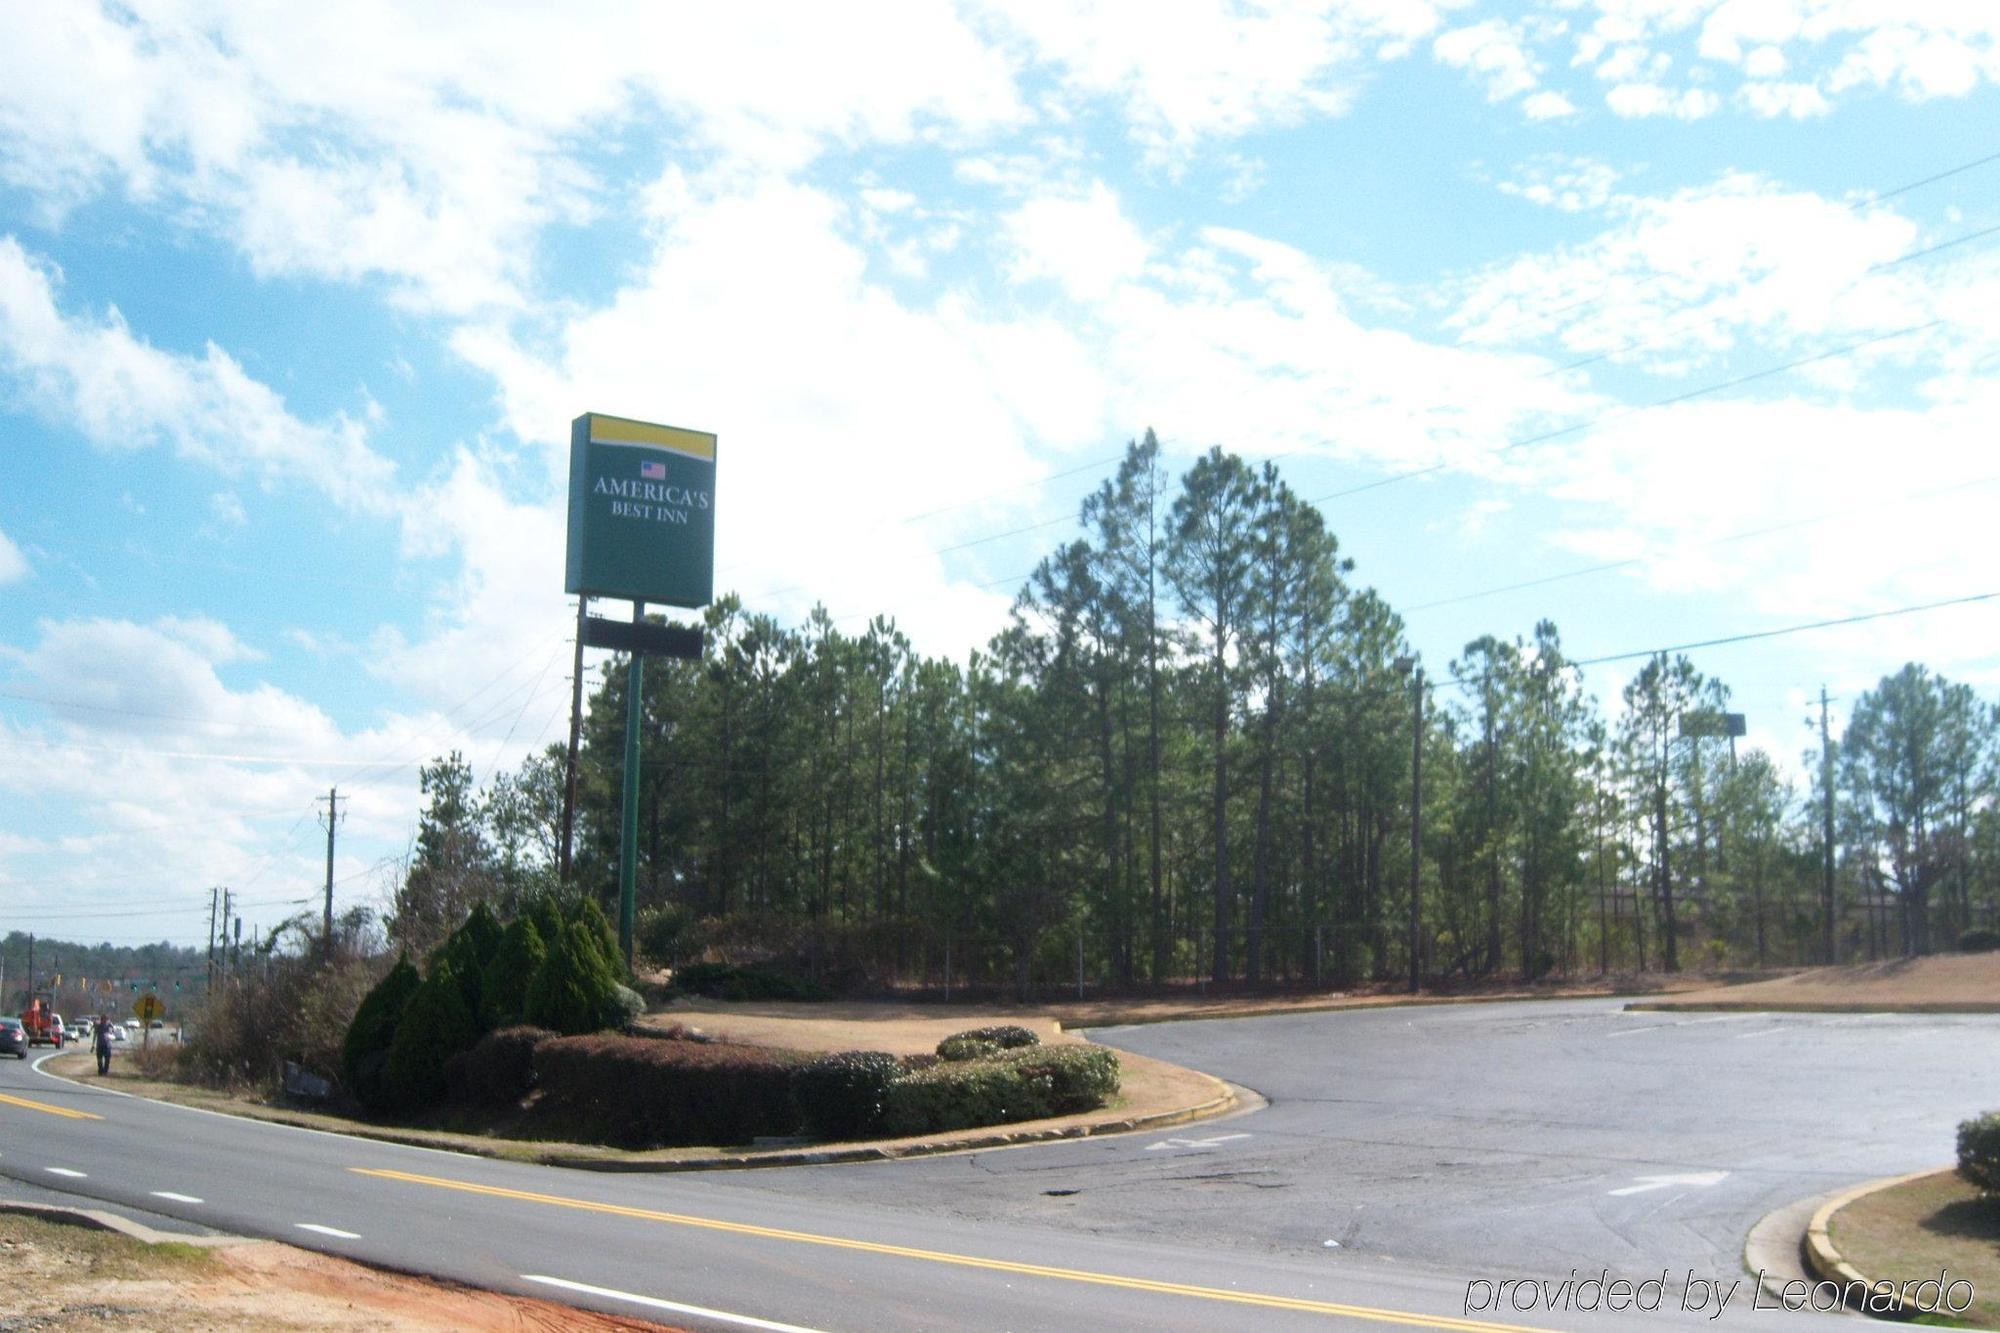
(1943, 983)
(61, 1276)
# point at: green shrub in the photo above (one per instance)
(364, 1054)
(961, 1095)
(498, 1070)
(841, 1096)
(980, 1043)
(1007, 1036)
(1978, 941)
(602, 934)
(573, 990)
(436, 1026)
(469, 950)
(1071, 1078)
(638, 1093)
(1026, 1083)
(503, 987)
(730, 981)
(661, 931)
(1979, 1151)
(964, 1046)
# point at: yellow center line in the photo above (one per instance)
(968, 1260)
(52, 1110)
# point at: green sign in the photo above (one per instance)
(641, 511)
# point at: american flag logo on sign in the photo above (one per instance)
(653, 471)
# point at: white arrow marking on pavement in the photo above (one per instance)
(64, 1171)
(700, 1312)
(1702, 1178)
(1212, 1142)
(177, 1198)
(328, 1231)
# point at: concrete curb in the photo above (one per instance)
(96, 1219)
(1826, 1262)
(1224, 1099)
(1800, 1007)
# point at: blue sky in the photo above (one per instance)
(295, 309)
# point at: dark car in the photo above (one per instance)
(14, 1038)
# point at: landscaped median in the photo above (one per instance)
(533, 1096)
(1924, 1246)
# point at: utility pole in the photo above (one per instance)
(31, 965)
(214, 894)
(332, 822)
(225, 932)
(575, 738)
(1826, 833)
(1417, 837)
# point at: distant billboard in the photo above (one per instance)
(1711, 722)
(641, 511)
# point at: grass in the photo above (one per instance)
(70, 1253)
(1913, 1230)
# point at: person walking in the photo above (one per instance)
(103, 1044)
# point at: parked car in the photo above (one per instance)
(13, 1038)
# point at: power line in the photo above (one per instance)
(1862, 619)
(1619, 413)
(1745, 535)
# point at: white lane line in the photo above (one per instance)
(1766, 1032)
(65, 1171)
(1685, 1023)
(328, 1231)
(177, 1198)
(654, 1302)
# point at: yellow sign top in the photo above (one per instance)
(647, 435)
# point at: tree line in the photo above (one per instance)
(1190, 755)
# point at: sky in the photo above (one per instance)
(1683, 313)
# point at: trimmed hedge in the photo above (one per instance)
(964, 1046)
(982, 1043)
(1978, 941)
(1979, 1151)
(842, 1096)
(1072, 1078)
(731, 981)
(632, 1092)
(1027, 1083)
(1007, 1036)
(499, 1070)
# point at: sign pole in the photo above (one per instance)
(628, 841)
(575, 734)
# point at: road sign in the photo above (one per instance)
(149, 1007)
(624, 636)
(641, 511)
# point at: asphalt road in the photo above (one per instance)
(1435, 1148)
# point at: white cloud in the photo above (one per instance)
(1800, 101)
(1569, 184)
(13, 565)
(1494, 50)
(99, 378)
(1218, 68)
(1678, 280)
(1087, 244)
(375, 142)
(1651, 99)
(1547, 105)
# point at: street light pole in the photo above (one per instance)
(1417, 834)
